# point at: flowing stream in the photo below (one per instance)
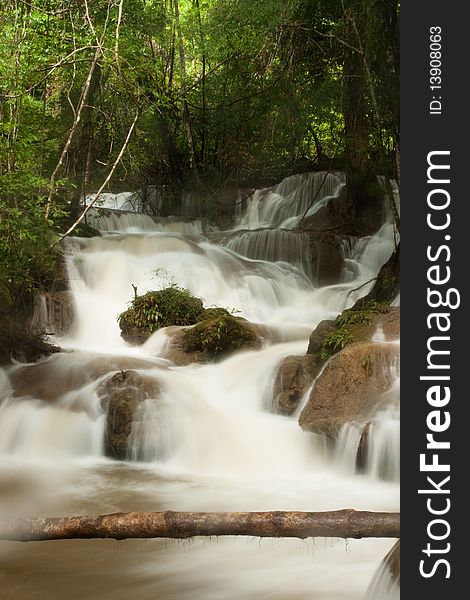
(211, 442)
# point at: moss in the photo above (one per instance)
(162, 308)
(359, 317)
(335, 341)
(216, 312)
(220, 335)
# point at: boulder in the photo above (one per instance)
(120, 396)
(317, 336)
(211, 340)
(221, 335)
(294, 375)
(157, 309)
(349, 387)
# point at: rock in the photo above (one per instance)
(383, 321)
(54, 312)
(317, 336)
(183, 346)
(327, 247)
(296, 373)
(120, 396)
(34, 381)
(392, 561)
(221, 335)
(135, 336)
(363, 448)
(349, 387)
(387, 285)
(338, 213)
(293, 377)
(157, 309)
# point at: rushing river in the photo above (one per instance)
(211, 443)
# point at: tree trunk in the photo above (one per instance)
(185, 114)
(346, 523)
(82, 153)
(355, 125)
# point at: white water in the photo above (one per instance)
(383, 447)
(209, 440)
(284, 204)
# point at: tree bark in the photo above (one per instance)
(345, 523)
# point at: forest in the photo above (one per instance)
(182, 94)
(199, 299)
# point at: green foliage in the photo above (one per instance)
(336, 341)
(263, 88)
(28, 260)
(162, 308)
(355, 317)
(220, 334)
(216, 313)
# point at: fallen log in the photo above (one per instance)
(346, 523)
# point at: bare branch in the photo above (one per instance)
(76, 121)
(49, 73)
(118, 25)
(105, 182)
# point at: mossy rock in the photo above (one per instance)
(221, 335)
(350, 387)
(161, 308)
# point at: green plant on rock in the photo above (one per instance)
(358, 317)
(162, 308)
(220, 334)
(335, 341)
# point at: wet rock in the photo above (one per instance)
(295, 374)
(221, 335)
(387, 285)
(364, 325)
(211, 340)
(317, 336)
(349, 387)
(35, 381)
(120, 396)
(54, 312)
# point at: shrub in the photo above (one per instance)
(162, 308)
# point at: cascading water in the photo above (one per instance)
(284, 204)
(382, 430)
(208, 441)
(266, 229)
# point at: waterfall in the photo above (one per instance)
(374, 442)
(274, 245)
(208, 440)
(284, 204)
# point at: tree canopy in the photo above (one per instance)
(178, 92)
